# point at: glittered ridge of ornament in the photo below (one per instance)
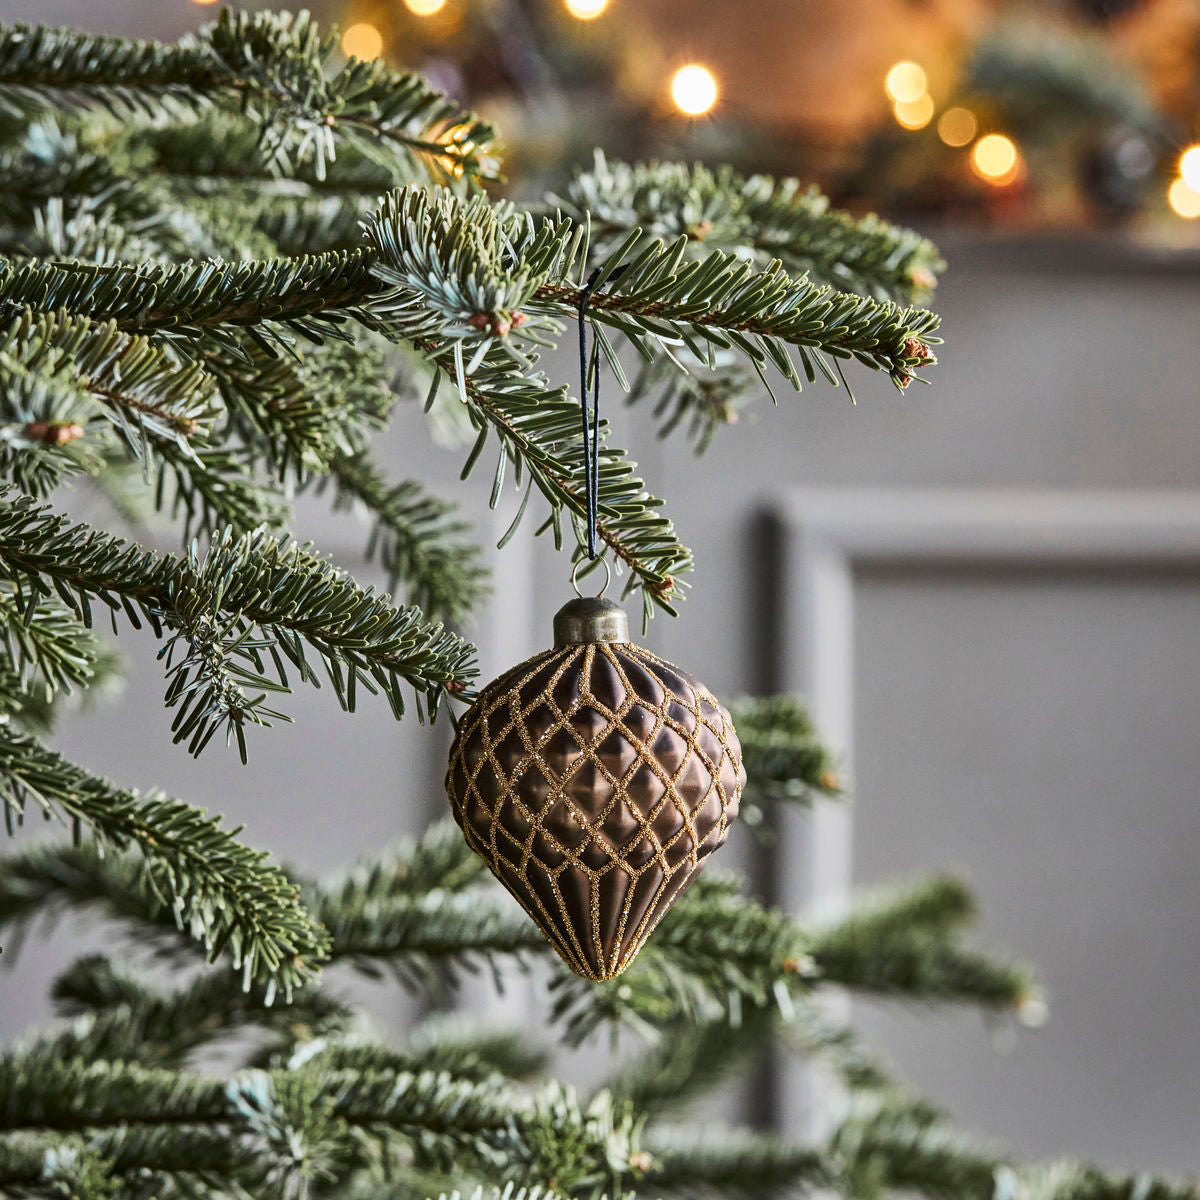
(595, 780)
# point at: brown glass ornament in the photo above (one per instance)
(595, 779)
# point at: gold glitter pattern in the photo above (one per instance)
(595, 780)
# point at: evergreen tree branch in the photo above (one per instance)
(785, 758)
(46, 650)
(452, 1048)
(415, 538)
(144, 391)
(439, 859)
(1069, 1180)
(309, 295)
(222, 893)
(687, 392)
(271, 67)
(889, 1142)
(455, 284)
(735, 1164)
(903, 943)
(691, 1062)
(146, 1025)
(303, 410)
(766, 217)
(244, 599)
(425, 941)
(211, 489)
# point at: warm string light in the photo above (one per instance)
(1184, 199)
(586, 10)
(362, 41)
(204, 1)
(908, 86)
(424, 8)
(914, 114)
(995, 159)
(906, 82)
(957, 126)
(1189, 167)
(694, 89)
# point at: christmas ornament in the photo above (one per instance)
(595, 779)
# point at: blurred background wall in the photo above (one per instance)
(1035, 728)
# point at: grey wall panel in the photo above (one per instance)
(1011, 677)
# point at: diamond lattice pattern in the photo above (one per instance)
(595, 780)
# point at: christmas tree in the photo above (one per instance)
(207, 309)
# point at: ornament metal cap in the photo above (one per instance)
(590, 619)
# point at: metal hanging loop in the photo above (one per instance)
(580, 562)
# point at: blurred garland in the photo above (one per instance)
(1098, 99)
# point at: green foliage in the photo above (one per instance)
(245, 603)
(759, 216)
(906, 942)
(271, 67)
(116, 1103)
(192, 320)
(219, 891)
(784, 757)
(1043, 80)
(415, 538)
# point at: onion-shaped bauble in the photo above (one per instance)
(595, 780)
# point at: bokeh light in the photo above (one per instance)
(957, 126)
(424, 8)
(914, 114)
(995, 158)
(694, 89)
(1189, 167)
(362, 41)
(1184, 199)
(906, 82)
(204, 1)
(586, 10)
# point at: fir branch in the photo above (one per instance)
(455, 1049)
(720, 301)
(1069, 1180)
(146, 1025)
(47, 879)
(270, 66)
(42, 1089)
(585, 1152)
(692, 1061)
(448, 264)
(764, 217)
(140, 387)
(439, 860)
(903, 943)
(305, 409)
(448, 1121)
(210, 489)
(307, 295)
(687, 392)
(245, 598)
(47, 650)
(889, 1142)
(219, 891)
(415, 538)
(729, 1164)
(785, 758)
(425, 941)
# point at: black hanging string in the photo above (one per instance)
(591, 438)
(591, 443)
